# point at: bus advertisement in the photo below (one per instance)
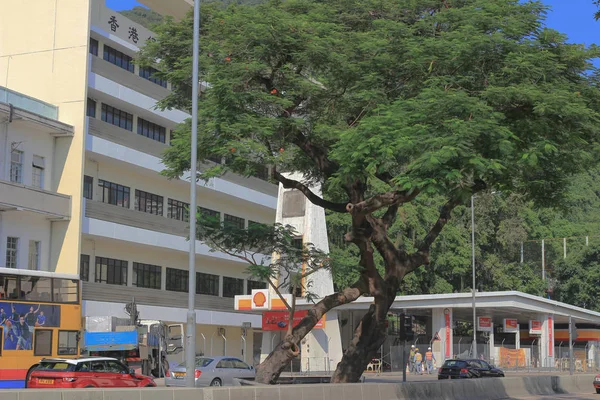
(40, 316)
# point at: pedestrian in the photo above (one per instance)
(429, 360)
(418, 362)
(411, 359)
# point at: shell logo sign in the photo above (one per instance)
(261, 299)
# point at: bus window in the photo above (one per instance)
(36, 288)
(65, 291)
(9, 286)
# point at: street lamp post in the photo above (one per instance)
(190, 349)
(474, 348)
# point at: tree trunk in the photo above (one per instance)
(369, 336)
(269, 370)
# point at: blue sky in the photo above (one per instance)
(573, 17)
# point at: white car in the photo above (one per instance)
(212, 371)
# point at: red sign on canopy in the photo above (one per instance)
(279, 320)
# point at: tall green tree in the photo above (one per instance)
(383, 102)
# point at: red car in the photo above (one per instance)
(90, 372)
(597, 383)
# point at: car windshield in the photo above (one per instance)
(55, 366)
(454, 363)
(200, 362)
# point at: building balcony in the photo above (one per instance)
(16, 107)
(15, 196)
(104, 130)
(123, 224)
(128, 79)
(112, 142)
(152, 297)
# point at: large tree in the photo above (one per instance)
(383, 102)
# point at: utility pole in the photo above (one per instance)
(190, 350)
(474, 349)
(571, 338)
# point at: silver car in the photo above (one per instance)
(212, 371)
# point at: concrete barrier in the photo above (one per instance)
(468, 389)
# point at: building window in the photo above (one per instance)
(255, 285)
(91, 108)
(117, 117)
(34, 255)
(213, 218)
(118, 58)
(84, 267)
(151, 130)
(146, 275)
(88, 187)
(12, 251)
(207, 284)
(16, 166)
(298, 243)
(178, 210)
(149, 73)
(42, 344)
(65, 290)
(262, 173)
(93, 46)
(112, 193)
(232, 286)
(148, 202)
(298, 289)
(177, 280)
(234, 222)
(111, 271)
(38, 172)
(215, 159)
(67, 342)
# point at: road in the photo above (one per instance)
(584, 396)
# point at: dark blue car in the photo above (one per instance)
(464, 369)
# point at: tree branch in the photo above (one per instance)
(390, 215)
(310, 195)
(381, 200)
(421, 256)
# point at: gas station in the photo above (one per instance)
(514, 329)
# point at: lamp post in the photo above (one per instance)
(190, 350)
(474, 347)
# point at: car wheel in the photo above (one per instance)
(216, 382)
(598, 391)
(90, 386)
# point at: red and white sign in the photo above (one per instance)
(511, 325)
(550, 337)
(485, 324)
(279, 320)
(448, 333)
(535, 327)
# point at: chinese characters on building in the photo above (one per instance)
(133, 33)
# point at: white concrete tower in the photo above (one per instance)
(321, 350)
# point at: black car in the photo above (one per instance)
(463, 369)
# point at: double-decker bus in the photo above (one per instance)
(40, 316)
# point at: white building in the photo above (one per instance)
(135, 226)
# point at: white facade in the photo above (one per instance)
(123, 239)
(321, 350)
(29, 203)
